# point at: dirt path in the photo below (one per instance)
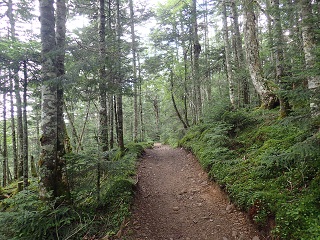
(174, 200)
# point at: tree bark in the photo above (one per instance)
(25, 128)
(103, 114)
(5, 146)
(268, 98)
(13, 132)
(63, 144)
(51, 164)
(19, 123)
(228, 56)
(309, 48)
(279, 57)
(134, 68)
(119, 81)
(196, 67)
(185, 126)
(240, 60)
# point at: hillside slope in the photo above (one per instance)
(269, 167)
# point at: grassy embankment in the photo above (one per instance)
(270, 168)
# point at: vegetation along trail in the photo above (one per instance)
(174, 200)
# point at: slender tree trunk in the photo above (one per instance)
(13, 132)
(25, 128)
(13, 125)
(5, 146)
(103, 135)
(196, 67)
(240, 60)
(11, 20)
(75, 136)
(119, 81)
(279, 57)
(309, 48)
(228, 56)
(111, 119)
(135, 82)
(185, 75)
(157, 115)
(19, 124)
(120, 122)
(185, 126)
(142, 137)
(268, 98)
(63, 144)
(79, 145)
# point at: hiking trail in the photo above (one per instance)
(174, 200)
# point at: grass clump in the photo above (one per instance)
(269, 167)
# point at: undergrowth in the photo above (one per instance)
(269, 167)
(24, 216)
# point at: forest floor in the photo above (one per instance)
(175, 200)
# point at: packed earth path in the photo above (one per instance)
(175, 200)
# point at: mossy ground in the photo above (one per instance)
(269, 167)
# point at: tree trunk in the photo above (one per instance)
(157, 115)
(279, 57)
(120, 122)
(142, 137)
(309, 48)
(19, 124)
(63, 143)
(119, 81)
(268, 98)
(111, 119)
(196, 67)
(5, 146)
(13, 132)
(103, 114)
(185, 126)
(135, 82)
(50, 174)
(25, 128)
(240, 60)
(228, 56)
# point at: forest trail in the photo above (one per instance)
(174, 200)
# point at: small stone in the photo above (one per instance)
(183, 191)
(242, 237)
(255, 238)
(176, 208)
(224, 238)
(195, 221)
(204, 183)
(230, 208)
(234, 234)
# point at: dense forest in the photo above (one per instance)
(86, 86)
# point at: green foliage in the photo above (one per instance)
(269, 167)
(25, 216)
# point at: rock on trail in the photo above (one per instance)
(174, 200)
